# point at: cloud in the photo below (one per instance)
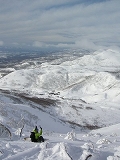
(39, 44)
(84, 43)
(64, 23)
(1, 43)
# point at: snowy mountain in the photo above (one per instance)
(68, 96)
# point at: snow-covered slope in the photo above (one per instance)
(62, 142)
(66, 98)
(87, 75)
(84, 87)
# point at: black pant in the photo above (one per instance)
(40, 139)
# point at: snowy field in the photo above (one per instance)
(76, 102)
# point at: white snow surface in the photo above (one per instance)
(87, 94)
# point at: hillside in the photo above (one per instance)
(76, 102)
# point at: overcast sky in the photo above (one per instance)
(60, 23)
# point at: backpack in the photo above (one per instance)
(32, 136)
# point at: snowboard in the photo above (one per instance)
(29, 139)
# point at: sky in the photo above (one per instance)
(89, 24)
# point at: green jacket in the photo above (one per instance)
(38, 134)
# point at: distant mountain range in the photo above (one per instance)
(81, 84)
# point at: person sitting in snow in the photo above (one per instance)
(36, 136)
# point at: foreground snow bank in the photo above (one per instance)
(27, 153)
(56, 146)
